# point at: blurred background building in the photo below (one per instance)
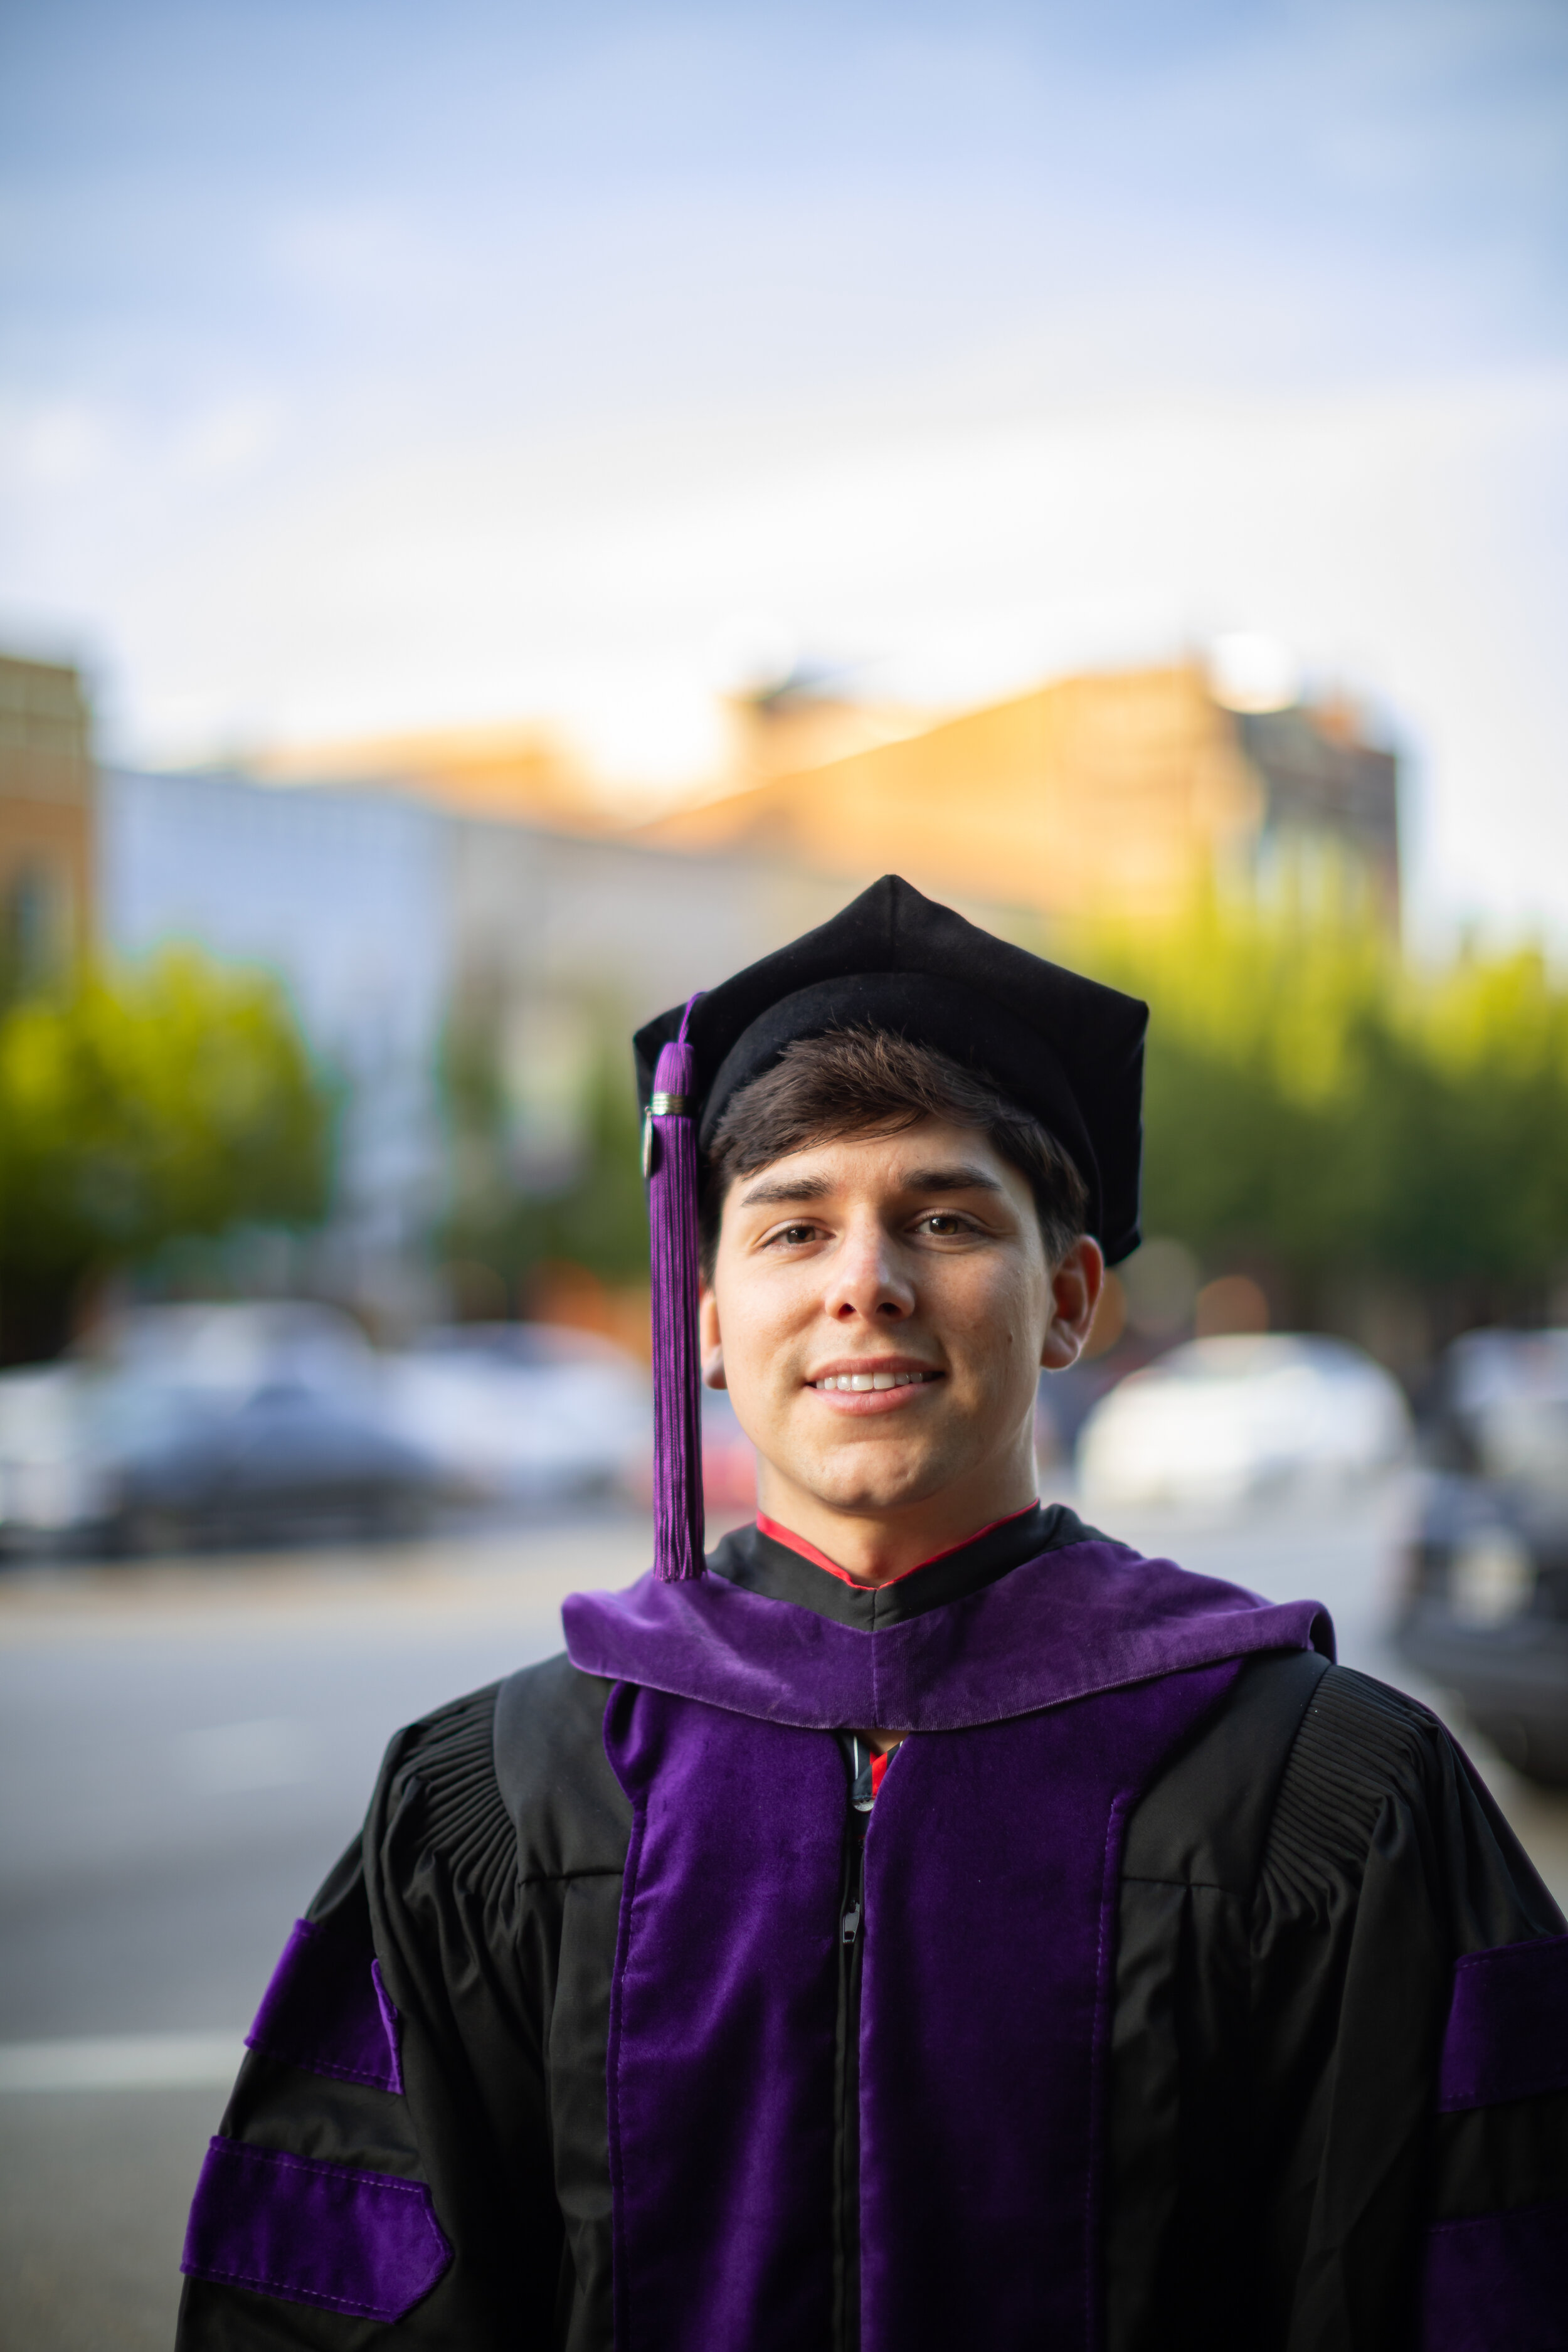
(1122, 793)
(466, 935)
(462, 931)
(47, 790)
(464, 928)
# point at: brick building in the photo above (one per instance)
(47, 795)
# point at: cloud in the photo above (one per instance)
(54, 444)
(229, 439)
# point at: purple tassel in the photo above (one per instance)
(670, 1163)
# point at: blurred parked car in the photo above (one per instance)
(1487, 1604)
(49, 1483)
(729, 1459)
(523, 1412)
(729, 1463)
(1227, 1421)
(206, 1423)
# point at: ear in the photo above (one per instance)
(1076, 1285)
(709, 1341)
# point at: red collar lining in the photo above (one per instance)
(819, 1559)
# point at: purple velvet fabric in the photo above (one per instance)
(1508, 2025)
(992, 1871)
(360, 2242)
(326, 2010)
(1498, 2283)
(992, 1862)
(721, 2030)
(1093, 1616)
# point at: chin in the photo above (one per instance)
(861, 1486)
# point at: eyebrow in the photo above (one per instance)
(959, 1178)
(962, 1177)
(793, 1188)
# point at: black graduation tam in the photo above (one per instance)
(1066, 1048)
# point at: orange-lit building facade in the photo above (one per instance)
(1124, 792)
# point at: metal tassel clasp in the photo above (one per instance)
(661, 1106)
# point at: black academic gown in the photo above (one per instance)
(1296, 1887)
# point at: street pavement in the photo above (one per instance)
(185, 1748)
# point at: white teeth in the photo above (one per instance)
(885, 1381)
(862, 1380)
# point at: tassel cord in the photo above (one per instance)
(676, 1273)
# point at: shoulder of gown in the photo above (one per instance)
(424, 1948)
(1304, 1885)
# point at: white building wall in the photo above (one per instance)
(641, 928)
(342, 896)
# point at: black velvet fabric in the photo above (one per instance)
(1063, 1047)
(1296, 1886)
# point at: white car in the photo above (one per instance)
(1221, 1422)
(1508, 1391)
(522, 1412)
(53, 1478)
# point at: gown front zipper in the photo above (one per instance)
(851, 1941)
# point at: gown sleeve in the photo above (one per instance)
(382, 2174)
(1408, 2049)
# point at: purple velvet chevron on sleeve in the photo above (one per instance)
(1498, 2283)
(364, 2243)
(326, 2011)
(1508, 2025)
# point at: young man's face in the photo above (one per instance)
(913, 1262)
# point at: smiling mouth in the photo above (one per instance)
(858, 1382)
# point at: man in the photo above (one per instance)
(927, 1924)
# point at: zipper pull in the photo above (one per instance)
(849, 1926)
(861, 1793)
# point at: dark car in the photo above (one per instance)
(213, 1424)
(258, 1420)
(1486, 1612)
(285, 1459)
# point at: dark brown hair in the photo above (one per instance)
(872, 1082)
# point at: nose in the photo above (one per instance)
(866, 1283)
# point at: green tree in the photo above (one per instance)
(1316, 1103)
(597, 1219)
(136, 1106)
(1464, 1106)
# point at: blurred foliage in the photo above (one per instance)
(597, 1217)
(1315, 1105)
(139, 1105)
(1314, 1101)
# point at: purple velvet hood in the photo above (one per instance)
(1093, 1616)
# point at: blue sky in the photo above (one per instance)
(365, 367)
